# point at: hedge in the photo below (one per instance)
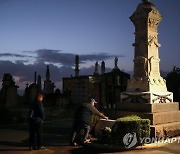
(128, 126)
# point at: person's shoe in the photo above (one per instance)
(32, 148)
(42, 147)
(73, 144)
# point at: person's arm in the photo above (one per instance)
(96, 112)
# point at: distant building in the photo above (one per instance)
(105, 88)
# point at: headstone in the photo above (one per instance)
(8, 91)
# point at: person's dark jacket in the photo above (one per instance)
(37, 112)
(85, 111)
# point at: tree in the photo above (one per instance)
(173, 83)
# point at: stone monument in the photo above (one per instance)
(103, 67)
(146, 93)
(76, 66)
(147, 85)
(116, 63)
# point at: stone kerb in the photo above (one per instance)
(102, 123)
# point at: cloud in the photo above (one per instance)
(23, 72)
(55, 56)
(67, 59)
(13, 55)
(97, 57)
(17, 69)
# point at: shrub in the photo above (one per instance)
(129, 126)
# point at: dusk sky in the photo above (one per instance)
(34, 33)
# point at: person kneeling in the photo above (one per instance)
(82, 120)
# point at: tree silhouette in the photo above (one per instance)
(173, 83)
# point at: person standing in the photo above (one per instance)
(82, 120)
(36, 118)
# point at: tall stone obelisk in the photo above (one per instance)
(146, 94)
(76, 66)
(146, 85)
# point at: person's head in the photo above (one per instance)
(92, 101)
(39, 97)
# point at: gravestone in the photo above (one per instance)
(8, 91)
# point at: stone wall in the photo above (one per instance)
(20, 115)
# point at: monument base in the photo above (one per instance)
(164, 117)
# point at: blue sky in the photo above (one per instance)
(34, 33)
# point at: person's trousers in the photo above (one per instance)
(35, 132)
(39, 135)
(86, 128)
(31, 133)
(77, 126)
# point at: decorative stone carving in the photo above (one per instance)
(135, 98)
(162, 98)
(153, 40)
